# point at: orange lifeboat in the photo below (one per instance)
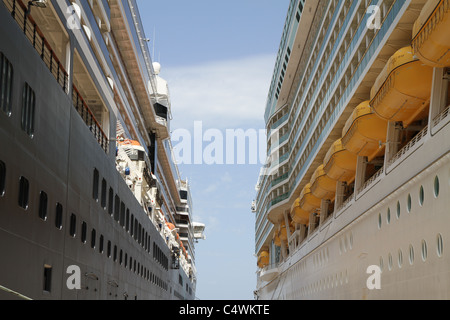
(263, 259)
(431, 36)
(308, 201)
(276, 239)
(283, 232)
(298, 215)
(402, 90)
(322, 186)
(339, 163)
(171, 226)
(364, 133)
(128, 142)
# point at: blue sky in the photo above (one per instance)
(218, 58)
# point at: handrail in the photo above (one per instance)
(419, 38)
(38, 41)
(88, 118)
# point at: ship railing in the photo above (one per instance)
(435, 18)
(371, 180)
(37, 39)
(442, 119)
(89, 119)
(409, 148)
(346, 203)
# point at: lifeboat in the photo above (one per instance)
(339, 163)
(364, 133)
(308, 201)
(283, 232)
(402, 90)
(171, 226)
(298, 215)
(431, 36)
(276, 239)
(128, 142)
(263, 259)
(322, 186)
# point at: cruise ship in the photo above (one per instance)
(354, 200)
(92, 204)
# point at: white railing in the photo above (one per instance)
(409, 148)
(371, 180)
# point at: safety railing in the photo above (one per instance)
(88, 118)
(19, 12)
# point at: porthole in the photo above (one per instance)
(424, 250)
(390, 262)
(380, 221)
(436, 186)
(421, 196)
(388, 216)
(440, 245)
(411, 255)
(381, 263)
(398, 209)
(400, 258)
(409, 203)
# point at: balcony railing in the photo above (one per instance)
(37, 39)
(88, 118)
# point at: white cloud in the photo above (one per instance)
(223, 94)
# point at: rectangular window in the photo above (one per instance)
(43, 202)
(116, 208)
(59, 216)
(24, 190)
(6, 79)
(28, 108)
(100, 248)
(2, 178)
(73, 225)
(47, 278)
(95, 185)
(83, 232)
(103, 200)
(93, 238)
(110, 201)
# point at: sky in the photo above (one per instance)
(218, 58)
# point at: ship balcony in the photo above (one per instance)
(52, 44)
(269, 273)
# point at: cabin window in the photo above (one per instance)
(43, 202)
(110, 201)
(127, 221)
(28, 110)
(100, 248)
(83, 232)
(116, 208)
(95, 185)
(93, 238)
(24, 190)
(103, 200)
(73, 225)
(122, 214)
(6, 79)
(109, 249)
(2, 178)
(58, 216)
(436, 186)
(47, 278)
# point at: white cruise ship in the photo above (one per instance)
(354, 203)
(92, 206)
